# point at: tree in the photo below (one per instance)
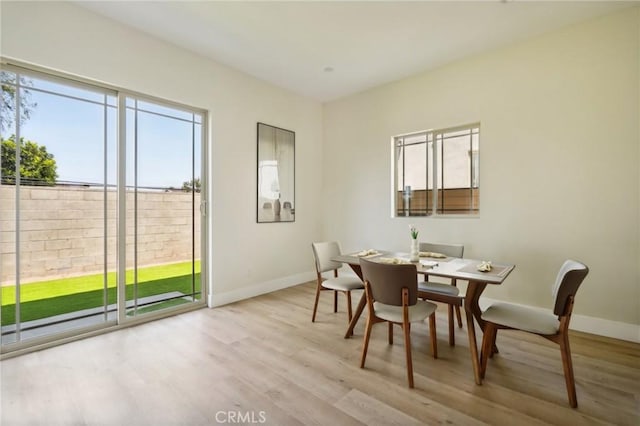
(191, 184)
(37, 166)
(8, 110)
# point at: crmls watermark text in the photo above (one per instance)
(243, 417)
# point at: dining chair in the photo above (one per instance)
(550, 325)
(392, 296)
(322, 253)
(443, 292)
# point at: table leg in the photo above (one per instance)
(474, 290)
(361, 304)
(354, 320)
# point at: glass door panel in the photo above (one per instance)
(163, 147)
(9, 292)
(58, 148)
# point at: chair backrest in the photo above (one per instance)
(387, 281)
(451, 250)
(323, 252)
(569, 278)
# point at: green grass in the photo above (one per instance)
(54, 297)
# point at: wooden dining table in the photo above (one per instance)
(460, 269)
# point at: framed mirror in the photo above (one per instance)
(276, 174)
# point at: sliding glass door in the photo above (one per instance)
(100, 207)
(163, 198)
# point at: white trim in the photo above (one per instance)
(583, 323)
(219, 299)
(587, 324)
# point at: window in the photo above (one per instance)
(448, 157)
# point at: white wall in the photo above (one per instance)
(247, 258)
(559, 164)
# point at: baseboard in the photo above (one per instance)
(219, 299)
(583, 323)
(592, 325)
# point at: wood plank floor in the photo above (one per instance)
(263, 361)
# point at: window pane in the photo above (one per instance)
(413, 197)
(71, 89)
(164, 110)
(195, 211)
(475, 160)
(456, 163)
(163, 205)
(415, 187)
(60, 257)
(456, 194)
(399, 156)
(475, 164)
(417, 138)
(7, 213)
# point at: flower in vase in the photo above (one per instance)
(414, 232)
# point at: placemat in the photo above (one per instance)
(496, 270)
(362, 255)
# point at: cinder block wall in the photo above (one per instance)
(62, 230)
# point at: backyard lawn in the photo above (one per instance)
(43, 299)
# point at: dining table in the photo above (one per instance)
(445, 267)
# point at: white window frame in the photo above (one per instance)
(433, 139)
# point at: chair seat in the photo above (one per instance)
(343, 283)
(522, 318)
(417, 312)
(447, 289)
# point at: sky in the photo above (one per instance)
(73, 131)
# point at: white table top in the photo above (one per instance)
(463, 269)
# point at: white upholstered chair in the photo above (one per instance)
(322, 253)
(444, 292)
(550, 325)
(392, 296)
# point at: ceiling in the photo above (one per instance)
(330, 49)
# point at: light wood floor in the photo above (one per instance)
(264, 358)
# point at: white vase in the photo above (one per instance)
(414, 254)
(276, 209)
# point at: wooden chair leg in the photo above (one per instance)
(459, 316)
(494, 348)
(490, 332)
(315, 304)
(434, 337)
(365, 346)
(406, 327)
(452, 330)
(349, 308)
(567, 365)
(335, 301)
(390, 333)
